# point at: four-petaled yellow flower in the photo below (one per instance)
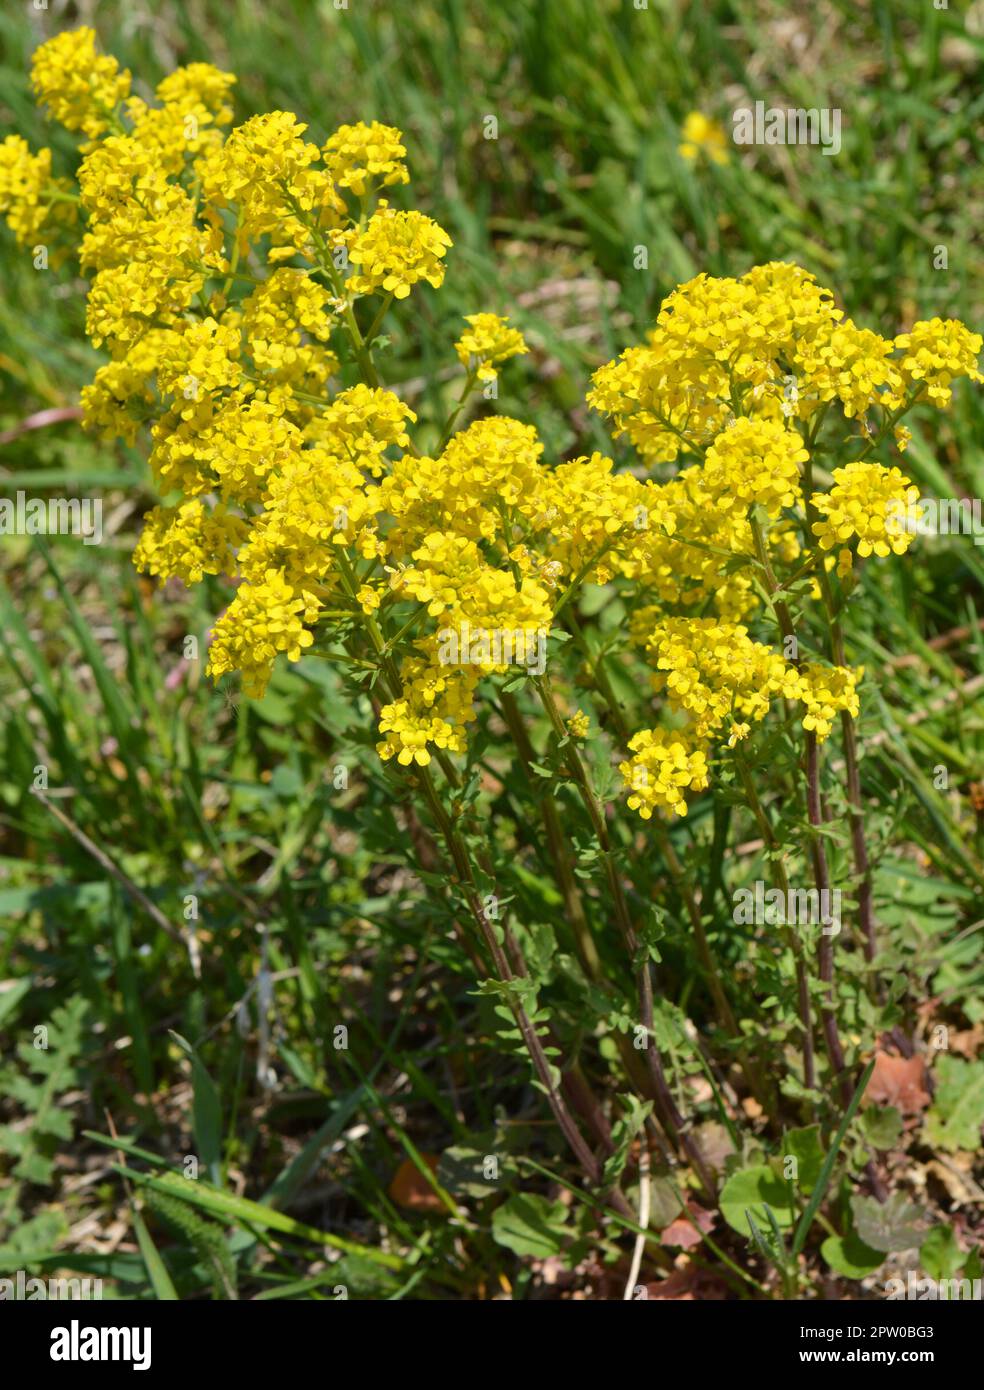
(702, 135)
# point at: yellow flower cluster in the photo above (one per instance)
(436, 704)
(270, 618)
(579, 724)
(770, 345)
(226, 268)
(488, 341)
(714, 671)
(935, 352)
(755, 462)
(80, 87)
(825, 691)
(189, 541)
(30, 198)
(361, 156)
(663, 766)
(722, 678)
(869, 503)
(718, 342)
(395, 251)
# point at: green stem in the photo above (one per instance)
(778, 866)
(818, 854)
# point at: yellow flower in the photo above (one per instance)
(395, 252)
(488, 341)
(188, 541)
(266, 618)
(755, 462)
(935, 352)
(120, 393)
(714, 671)
(664, 765)
(361, 156)
(702, 135)
(825, 690)
(852, 365)
(435, 706)
(29, 196)
(486, 469)
(362, 423)
(369, 597)
(869, 502)
(279, 318)
(265, 170)
(80, 87)
(579, 724)
(199, 87)
(717, 340)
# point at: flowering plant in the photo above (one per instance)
(519, 626)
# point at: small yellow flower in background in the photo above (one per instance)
(903, 437)
(198, 85)
(738, 732)
(79, 86)
(27, 189)
(702, 135)
(488, 341)
(579, 724)
(360, 156)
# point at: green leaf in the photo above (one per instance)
(624, 1130)
(462, 1170)
(243, 1211)
(156, 1268)
(882, 1126)
(955, 1118)
(529, 1224)
(751, 1190)
(848, 1255)
(206, 1112)
(11, 997)
(820, 1187)
(896, 1224)
(804, 1145)
(939, 1254)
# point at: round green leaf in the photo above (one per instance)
(752, 1189)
